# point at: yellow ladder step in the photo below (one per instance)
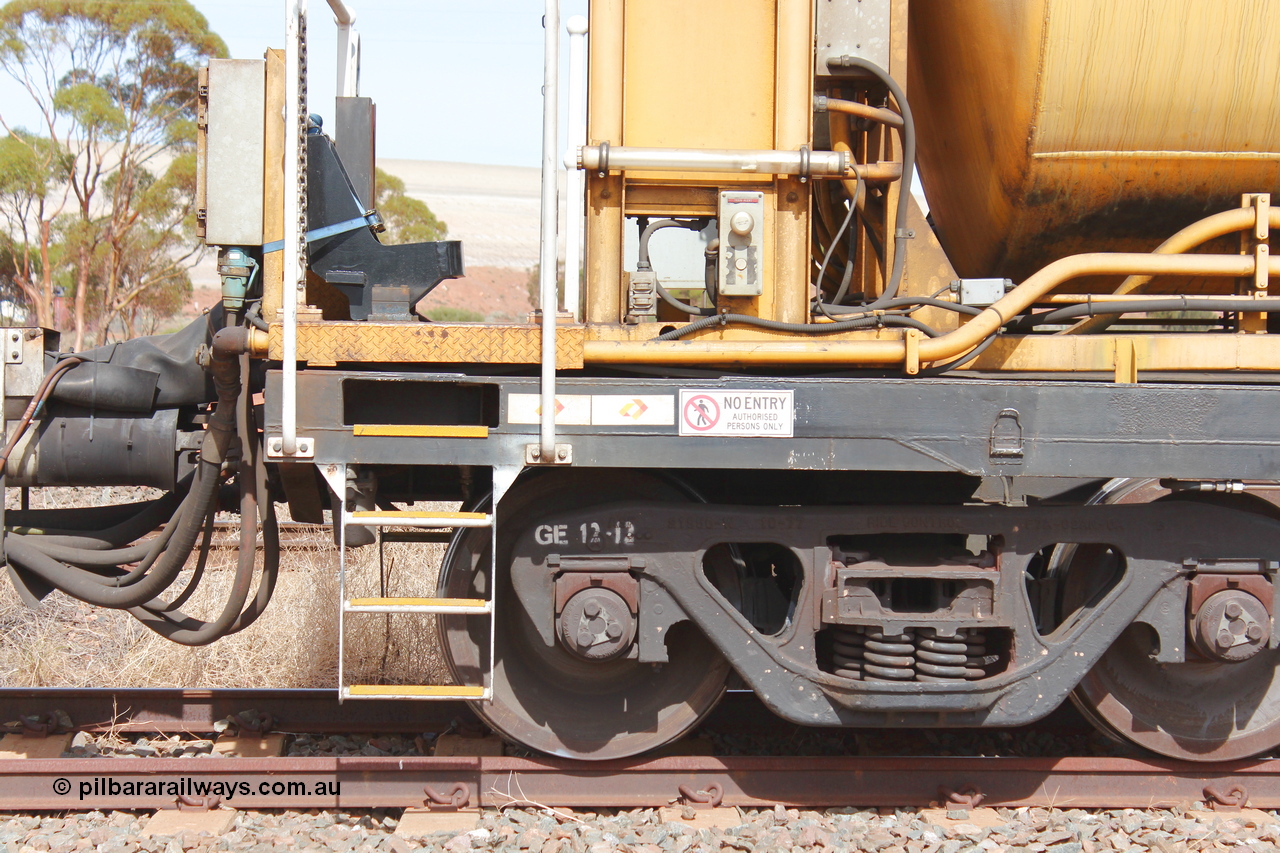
(412, 691)
(417, 605)
(416, 518)
(420, 431)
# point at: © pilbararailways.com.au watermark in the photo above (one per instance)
(186, 786)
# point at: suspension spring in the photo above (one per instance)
(958, 658)
(868, 654)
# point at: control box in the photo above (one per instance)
(741, 243)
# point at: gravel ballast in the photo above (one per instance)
(643, 831)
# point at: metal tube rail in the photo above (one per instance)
(548, 255)
(295, 188)
(818, 351)
(348, 50)
(575, 201)
(814, 164)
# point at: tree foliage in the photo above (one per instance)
(408, 220)
(114, 82)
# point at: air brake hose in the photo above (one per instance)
(228, 345)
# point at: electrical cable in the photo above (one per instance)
(643, 264)
(908, 132)
(1142, 306)
(871, 322)
(37, 402)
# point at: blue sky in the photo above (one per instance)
(456, 80)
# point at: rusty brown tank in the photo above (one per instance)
(1050, 127)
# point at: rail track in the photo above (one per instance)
(492, 781)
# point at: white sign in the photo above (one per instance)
(596, 409)
(633, 410)
(571, 409)
(721, 413)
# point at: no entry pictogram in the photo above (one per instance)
(701, 413)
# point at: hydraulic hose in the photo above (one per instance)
(908, 131)
(228, 345)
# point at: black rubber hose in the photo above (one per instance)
(173, 624)
(804, 328)
(643, 264)
(908, 132)
(116, 536)
(1140, 306)
(94, 519)
(909, 302)
(939, 369)
(228, 344)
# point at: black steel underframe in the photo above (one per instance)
(979, 427)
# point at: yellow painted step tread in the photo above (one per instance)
(402, 513)
(415, 690)
(477, 603)
(420, 431)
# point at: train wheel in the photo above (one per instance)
(1208, 708)
(544, 696)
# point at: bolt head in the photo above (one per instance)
(562, 454)
(1233, 610)
(1225, 639)
(591, 609)
(585, 639)
(1254, 633)
(613, 630)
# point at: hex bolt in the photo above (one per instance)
(1225, 638)
(613, 631)
(586, 639)
(562, 454)
(1254, 633)
(1233, 610)
(591, 609)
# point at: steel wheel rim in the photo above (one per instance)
(548, 700)
(1194, 711)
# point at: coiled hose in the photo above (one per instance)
(88, 566)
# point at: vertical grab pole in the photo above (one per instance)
(348, 50)
(295, 188)
(575, 203)
(550, 212)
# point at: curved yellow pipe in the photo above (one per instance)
(1195, 234)
(853, 108)
(945, 347)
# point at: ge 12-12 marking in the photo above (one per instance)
(589, 533)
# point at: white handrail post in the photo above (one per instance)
(548, 255)
(348, 50)
(575, 203)
(295, 184)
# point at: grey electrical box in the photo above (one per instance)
(981, 292)
(233, 118)
(851, 29)
(741, 244)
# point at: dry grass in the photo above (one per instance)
(65, 643)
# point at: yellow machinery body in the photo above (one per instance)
(1053, 127)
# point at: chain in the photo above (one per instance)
(300, 128)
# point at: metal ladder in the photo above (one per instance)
(475, 607)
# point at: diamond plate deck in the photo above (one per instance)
(331, 342)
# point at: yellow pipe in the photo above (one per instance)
(853, 108)
(1195, 234)
(945, 347)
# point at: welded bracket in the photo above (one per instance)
(275, 448)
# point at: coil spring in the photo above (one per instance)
(958, 658)
(868, 654)
(917, 654)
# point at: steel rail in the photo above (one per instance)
(369, 782)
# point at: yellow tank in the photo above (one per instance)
(1049, 127)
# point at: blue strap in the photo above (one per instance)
(326, 231)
